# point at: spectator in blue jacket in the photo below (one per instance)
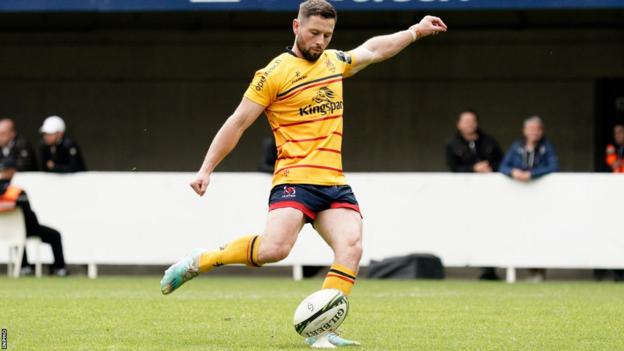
(532, 156)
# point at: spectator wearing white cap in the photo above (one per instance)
(58, 153)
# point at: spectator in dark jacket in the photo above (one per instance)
(59, 154)
(16, 147)
(471, 150)
(12, 197)
(531, 157)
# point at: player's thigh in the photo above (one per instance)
(283, 226)
(341, 228)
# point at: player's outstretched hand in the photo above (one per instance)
(430, 25)
(200, 184)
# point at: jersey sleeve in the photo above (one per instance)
(264, 86)
(346, 60)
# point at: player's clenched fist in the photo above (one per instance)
(429, 25)
(200, 184)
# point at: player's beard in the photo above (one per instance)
(310, 56)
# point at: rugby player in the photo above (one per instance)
(300, 91)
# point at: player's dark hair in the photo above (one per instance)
(317, 8)
(468, 110)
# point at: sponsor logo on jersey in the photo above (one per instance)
(261, 82)
(324, 103)
(298, 77)
(265, 74)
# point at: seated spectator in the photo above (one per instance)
(16, 147)
(58, 153)
(532, 156)
(615, 152)
(471, 150)
(12, 197)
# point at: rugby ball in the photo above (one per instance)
(321, 312)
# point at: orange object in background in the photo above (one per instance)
(8, 200)
(612, 158)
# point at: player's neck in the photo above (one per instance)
(295, 50)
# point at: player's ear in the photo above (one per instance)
(296, 25)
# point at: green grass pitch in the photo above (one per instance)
(129, 313)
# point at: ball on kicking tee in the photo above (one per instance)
(321, 312)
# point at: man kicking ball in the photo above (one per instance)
(300, 91)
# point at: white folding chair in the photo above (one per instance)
(13, 233)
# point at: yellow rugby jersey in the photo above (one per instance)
(304, 105)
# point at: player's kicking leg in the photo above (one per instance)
(282, 228)
(341, 228)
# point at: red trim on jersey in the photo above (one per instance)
(302, 140)
(309, 166)
(329, 150)
(291, 157)
(293, 204)
(306, 83)
(306, 122)
(308, 87)
(304, 156)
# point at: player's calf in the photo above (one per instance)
(349, 252)
(272, 251)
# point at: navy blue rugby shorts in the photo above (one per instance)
(312, 199)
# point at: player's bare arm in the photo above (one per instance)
(381, 48)
(224, 142)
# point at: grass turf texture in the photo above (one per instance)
(256, 314)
